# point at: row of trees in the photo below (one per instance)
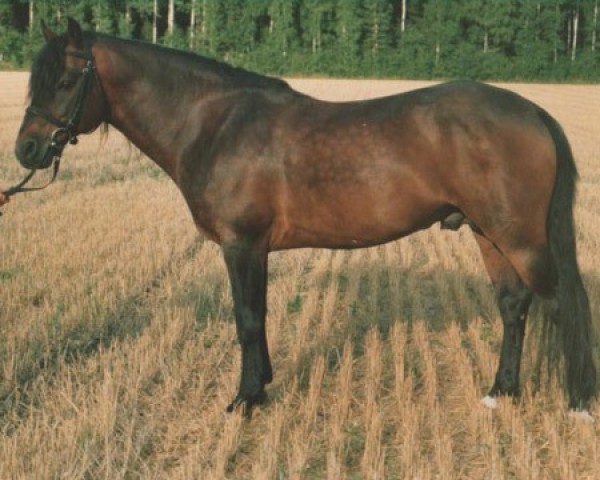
(485, 39)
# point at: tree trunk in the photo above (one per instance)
(539, 12)
(594, 25)
(31, 15)
(192, 25)
(128, 18)
(403, 17)
(485, 40)
(154, 22)
(316, 35)
(557, 27)
(171, 17)
(203, 28)
(575, 33)
(375, 35)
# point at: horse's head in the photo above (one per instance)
(66, 98)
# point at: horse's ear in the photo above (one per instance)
(48, 33)
(74, 31)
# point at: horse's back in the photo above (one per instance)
(361, 173)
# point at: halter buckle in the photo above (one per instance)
(61, 136)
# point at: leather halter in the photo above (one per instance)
(66, 131)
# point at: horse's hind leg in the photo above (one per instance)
(513, 298)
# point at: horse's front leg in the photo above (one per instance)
(247, 267)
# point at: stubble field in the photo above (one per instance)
(118, 353)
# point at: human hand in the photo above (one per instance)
(3, 199)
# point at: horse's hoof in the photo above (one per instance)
(582, 416)
(245, 403)
(489, 402)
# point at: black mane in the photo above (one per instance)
(50, 61)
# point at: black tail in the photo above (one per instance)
(574, 333)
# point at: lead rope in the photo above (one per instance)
(20, 187)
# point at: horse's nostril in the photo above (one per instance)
(29, 149)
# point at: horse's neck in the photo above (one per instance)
(143, 103)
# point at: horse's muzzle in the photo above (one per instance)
(35, 153)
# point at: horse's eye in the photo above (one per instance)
(65, 84)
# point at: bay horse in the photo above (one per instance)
(263, 168)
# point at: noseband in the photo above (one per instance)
(66, 131)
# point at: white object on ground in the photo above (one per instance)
(489, 402)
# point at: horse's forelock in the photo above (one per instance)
(47, 69)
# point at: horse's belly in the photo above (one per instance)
(353, 221)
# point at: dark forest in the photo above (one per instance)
(524, 40)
